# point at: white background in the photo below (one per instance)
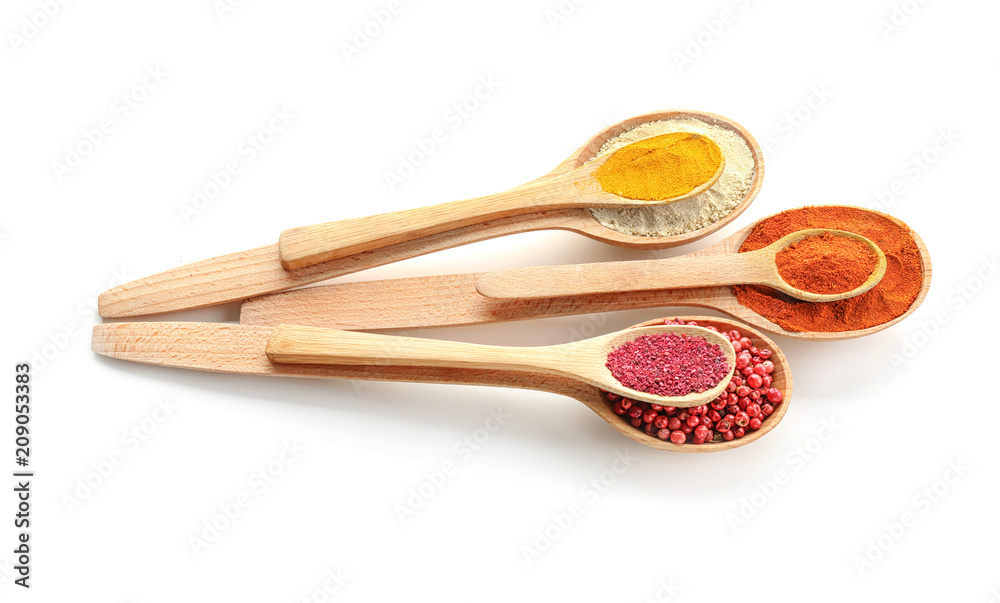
(878, 95)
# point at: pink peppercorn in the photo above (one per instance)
(744, 405)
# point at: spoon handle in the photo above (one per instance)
(619, 277)
(291, 344)
(308, 245)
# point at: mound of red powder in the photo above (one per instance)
(668, 364)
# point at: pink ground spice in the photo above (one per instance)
(668, 364)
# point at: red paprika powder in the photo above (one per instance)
(826, 263)
(890, 298)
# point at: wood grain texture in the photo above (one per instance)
(226, 348)
(246, 274)
(752, 268)
(576, 188)
(450, 300)
(237, 276)
(583, 360)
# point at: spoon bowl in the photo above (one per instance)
(781, 379)
(583, 360)
(768, 259)
(752, 268)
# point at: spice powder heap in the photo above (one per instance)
(826, 263)
(700, 211)
(660, 168)
(668, 364)
(889, 299)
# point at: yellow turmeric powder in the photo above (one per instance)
(661, 168)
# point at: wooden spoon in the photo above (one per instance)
(228, 348)
(581, 360)
(752, 268)
(578, 187)
(452, 300)
(245, 274)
